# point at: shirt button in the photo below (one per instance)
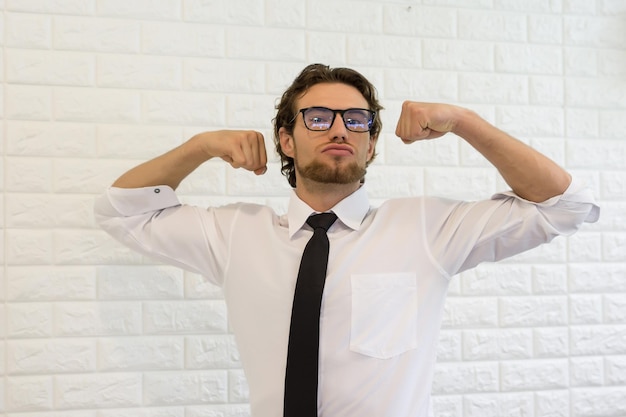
(157, 190)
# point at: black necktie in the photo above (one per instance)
(302, 356)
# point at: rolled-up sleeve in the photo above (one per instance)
(117, 202)
(152, 221)
(463, 234)
(574, 207)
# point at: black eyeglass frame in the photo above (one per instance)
(370, 123)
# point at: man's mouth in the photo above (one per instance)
(338, 150)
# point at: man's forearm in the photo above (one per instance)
(532, 175)
(168, 169)
(240, 148)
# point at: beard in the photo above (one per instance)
(331, 174)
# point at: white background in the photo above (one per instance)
(93, 87)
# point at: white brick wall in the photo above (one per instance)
(92, 87)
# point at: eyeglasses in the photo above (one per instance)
(321, 118)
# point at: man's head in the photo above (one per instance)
(288, 109)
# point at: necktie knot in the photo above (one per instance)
(321, 220)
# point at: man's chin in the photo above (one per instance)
(326, 174)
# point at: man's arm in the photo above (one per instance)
(530, 174)
(241, 149)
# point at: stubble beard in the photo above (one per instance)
(331, 173)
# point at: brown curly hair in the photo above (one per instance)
(311, 75)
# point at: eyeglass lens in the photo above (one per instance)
(321, 118)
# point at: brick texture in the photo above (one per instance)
(92, 87)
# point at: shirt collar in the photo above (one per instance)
(351, 210)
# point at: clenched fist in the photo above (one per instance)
(419, 121)
(240, 148)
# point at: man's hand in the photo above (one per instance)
(240, 148)
(419, 121)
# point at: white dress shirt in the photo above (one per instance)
(388, 274)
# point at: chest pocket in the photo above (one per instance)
(384, 314)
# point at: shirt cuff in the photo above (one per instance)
(134, 201)
(577, 192)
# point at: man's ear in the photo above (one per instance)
(372, 147)
(286, 142)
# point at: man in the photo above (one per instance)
(388, 267)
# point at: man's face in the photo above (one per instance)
(334, 156)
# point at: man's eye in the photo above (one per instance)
(355, 122)
(318, 120)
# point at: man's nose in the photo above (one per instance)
(338, 128)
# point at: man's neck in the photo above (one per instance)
(322, 197)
